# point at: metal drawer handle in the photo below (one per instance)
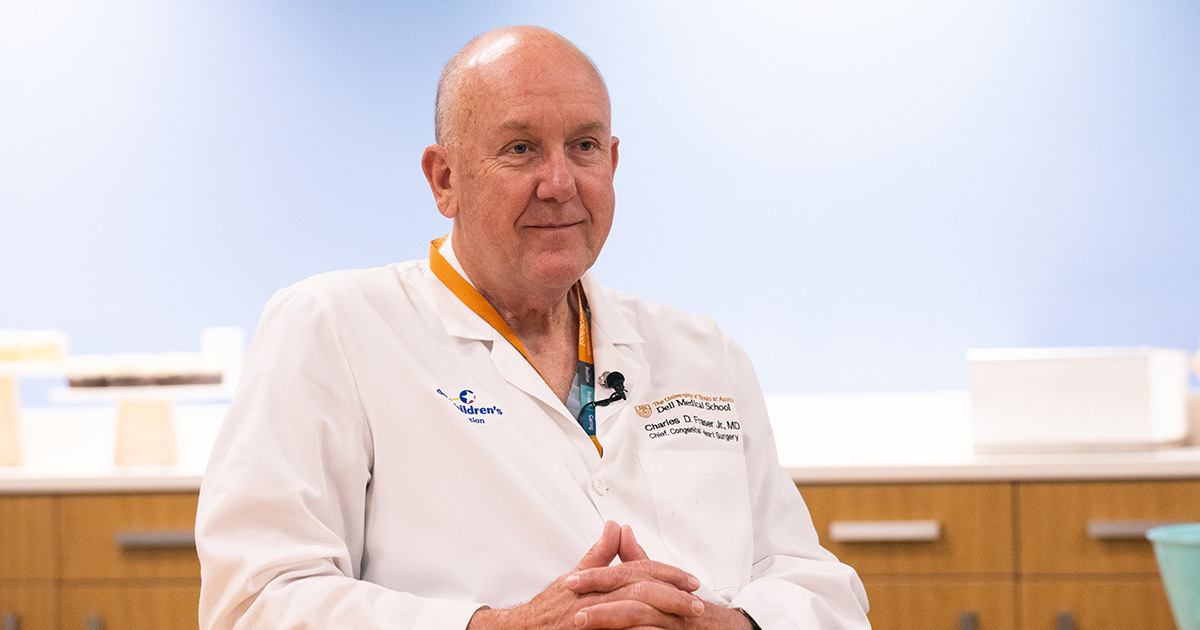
(12, 621)
(94, 622)
(968, 621)
(1064, 621)
(885, 531)
(1123, 530)
(156, 539)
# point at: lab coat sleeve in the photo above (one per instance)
(280, 525)
(794, 582)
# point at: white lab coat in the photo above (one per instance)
(390, 461)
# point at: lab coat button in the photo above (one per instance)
(599, 487)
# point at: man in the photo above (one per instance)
(445, 444)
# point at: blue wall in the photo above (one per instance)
(856, 190)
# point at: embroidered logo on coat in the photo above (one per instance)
(644, 411)
(465, 403)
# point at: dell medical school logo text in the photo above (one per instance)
(465, 403)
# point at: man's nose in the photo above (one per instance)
(557, 181)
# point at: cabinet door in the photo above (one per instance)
(27, 549)
(1096, 528)
(1095, 604)
(937, 604)
(973, 522)
(129, 536)
(140, 607)
(29, 605)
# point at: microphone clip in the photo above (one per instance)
(616, 382)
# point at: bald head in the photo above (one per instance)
(489, 56)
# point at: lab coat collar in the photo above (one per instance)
(612, 338)
(607, 320)
(458, 318)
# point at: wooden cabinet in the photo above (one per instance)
(28, 606)
(930, 556)
(1005, 555)
(27, 544)
(117, 561)
(28, 563)
(1098, 528)
(1084, 554)
(941, 603)
(129, 536)
(1094, 604)
(128, 606)
(969, 537)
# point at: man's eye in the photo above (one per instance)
(520, 149)
(587, 145)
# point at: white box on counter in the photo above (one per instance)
(1077, 399)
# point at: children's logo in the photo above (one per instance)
(464, 402)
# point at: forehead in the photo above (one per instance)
(510, 87)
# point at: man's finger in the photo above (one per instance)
(630, 550)
(607, 579)
(648, 604)
(605, 550)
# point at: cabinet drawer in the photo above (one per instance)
(170, 607)
(27, 548)
(963, 528)
(129, 536)
(30, 605)
(941, 605)
(1077, 528)
(1097, 604)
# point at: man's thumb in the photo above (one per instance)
(604, 551)
(630, 550)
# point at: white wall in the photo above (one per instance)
(857, 190)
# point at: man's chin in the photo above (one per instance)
(560, 272)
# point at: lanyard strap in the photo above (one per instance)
(585, 370)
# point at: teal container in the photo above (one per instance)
(1177, 548)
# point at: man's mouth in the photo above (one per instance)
(555, 226)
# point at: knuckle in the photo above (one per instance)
(624, 574)
(595, 579)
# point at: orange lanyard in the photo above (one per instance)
(478, 304)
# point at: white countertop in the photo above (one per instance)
(920, 437)
(926, 437)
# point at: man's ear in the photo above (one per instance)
(613, 152)
(435, 162)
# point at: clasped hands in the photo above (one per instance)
(638, 593)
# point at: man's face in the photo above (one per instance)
(532, 165)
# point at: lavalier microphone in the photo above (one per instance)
(616, 382)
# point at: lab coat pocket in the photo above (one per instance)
(702, 502)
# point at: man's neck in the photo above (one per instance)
(540, 327)
(545, 321)
(534, 311)
(550, 337)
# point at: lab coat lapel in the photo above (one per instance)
(460, 321)
(517, 370)
(615, 347)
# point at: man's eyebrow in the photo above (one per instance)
(524, 127)
(515, 125)
(592, 127)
